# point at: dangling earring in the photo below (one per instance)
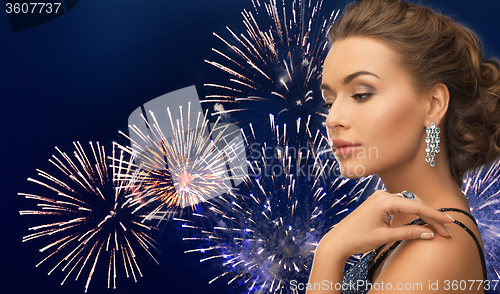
(432, 141)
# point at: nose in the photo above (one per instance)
(337, 116)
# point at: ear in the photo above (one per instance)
(439, 99)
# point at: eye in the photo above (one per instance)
(360, 97)
(327, 105)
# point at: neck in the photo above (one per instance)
(433, 185)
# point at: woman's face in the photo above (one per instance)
(376, 119)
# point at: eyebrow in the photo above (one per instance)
(349, 78)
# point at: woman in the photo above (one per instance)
(413, 100)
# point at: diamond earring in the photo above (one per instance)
(432, 139)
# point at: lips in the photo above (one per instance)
(343, 148)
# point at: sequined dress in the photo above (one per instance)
(362, 269)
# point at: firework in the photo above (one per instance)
(88, 212)
(275, 65)
(482, 188)
(265, 234)
(195, 164)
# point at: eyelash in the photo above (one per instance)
(361, 97)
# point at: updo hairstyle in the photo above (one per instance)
(435, 49)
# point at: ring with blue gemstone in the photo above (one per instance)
(407, 195)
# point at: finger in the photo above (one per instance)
(420, 208)
(440, 227)
(409, 232)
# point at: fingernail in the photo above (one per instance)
(447, 229)
(427, 235)
(450, 217)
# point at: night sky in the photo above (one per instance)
(78, 78)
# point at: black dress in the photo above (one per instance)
(355, 280)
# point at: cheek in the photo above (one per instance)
(393, 127)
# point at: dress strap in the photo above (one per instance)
(382, 255)
(420, 222)
(463, 226)
(459, 210)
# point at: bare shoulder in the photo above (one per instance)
(427, 262)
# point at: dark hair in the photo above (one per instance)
(435, 49)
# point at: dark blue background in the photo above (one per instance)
(78, 77)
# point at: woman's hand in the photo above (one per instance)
(368, 226)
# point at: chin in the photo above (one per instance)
(352, 170)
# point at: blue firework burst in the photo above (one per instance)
(265, 234)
